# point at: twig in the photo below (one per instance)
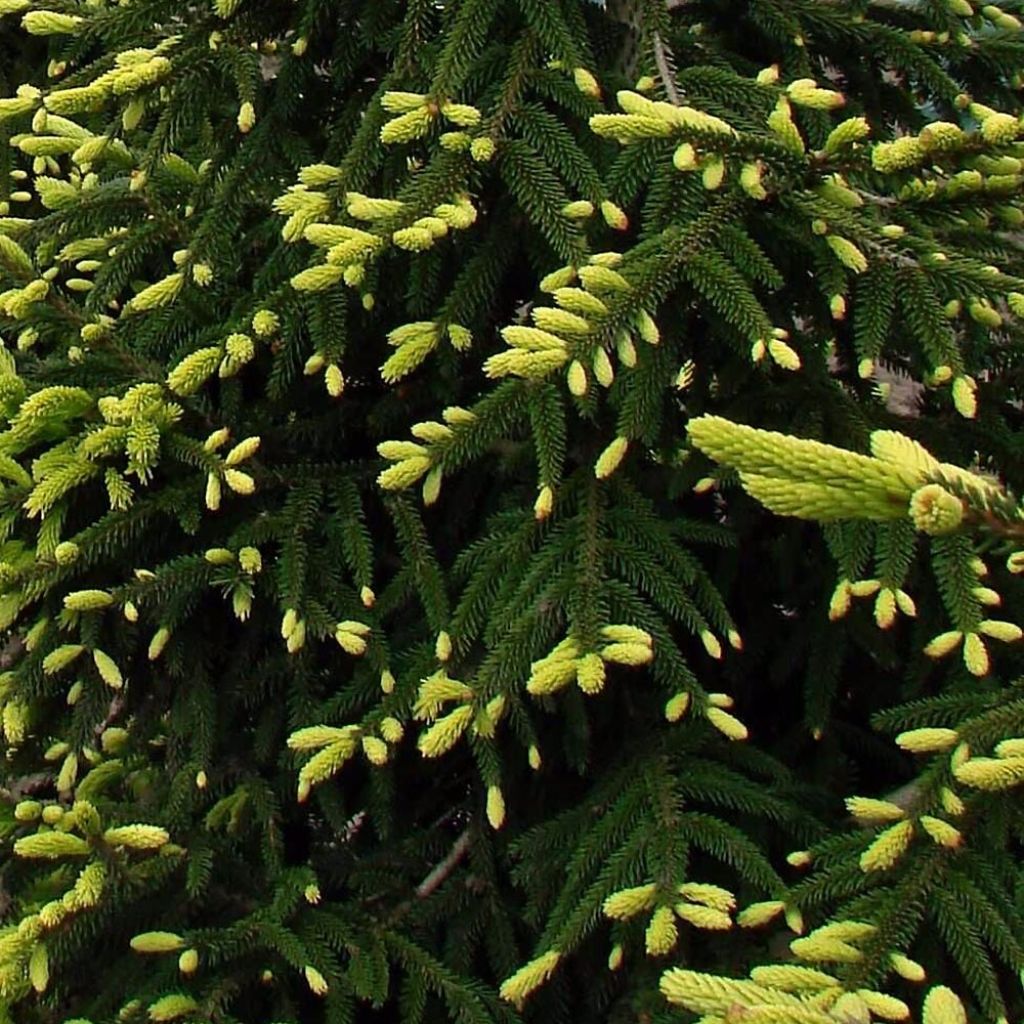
(18, 789)
(440, 872)
(113, 711)
(664, 62)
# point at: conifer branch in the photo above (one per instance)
(615, 370)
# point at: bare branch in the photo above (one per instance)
(113, 711)
(663, 58)
(440, 872)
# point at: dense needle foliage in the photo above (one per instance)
(507, 511)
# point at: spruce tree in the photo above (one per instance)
(508, 511)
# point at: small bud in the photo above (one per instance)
(114, 740)
(951, 803)
(432, 486)
(728, 725)
(443, 646)
(711, 644)
(870, 811)
(960, 756)
(334, 381)
(944, 643)
(614, 216)
(316, 981)
(840, 602)
(158, 643)
(65, 553)
(27, 810)
(888, 847)
(975, 655)
(239, 482)
(610, 458)
(579, 209)
(1007, 632)
(906, 968)
(965, 399)
(246, 117)
(213, 492)
(685, 158)
(544, 504)
(375, 749)
(482, 149)
(713, 173)
(941, 832)
(758, 914)
(885, 608)
(927, 740)
(495, 807)
(677, 706)
(586, 83)
(784, 355)
(265, 322)
(577, 379)
(603, 371)
(157, 942)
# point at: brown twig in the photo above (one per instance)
(441, 871)
(662, 58)
(113, 711)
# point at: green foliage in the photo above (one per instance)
(379, 641)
